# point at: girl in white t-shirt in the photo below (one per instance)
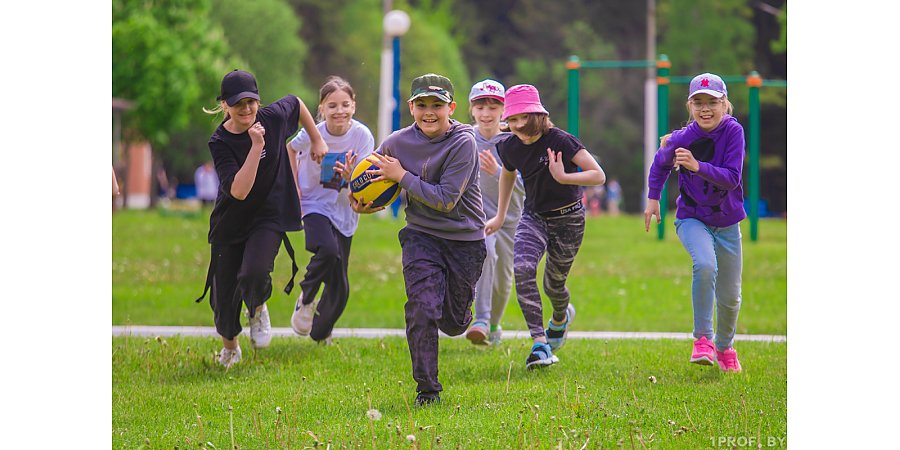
(328, 220)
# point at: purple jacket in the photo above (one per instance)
(441, 183)
(714, 194)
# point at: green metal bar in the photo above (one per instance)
(730, 79)
(662, 107)
(636, 63)
(681, 79)
(572, 65)
(754, 82)
(774, 83)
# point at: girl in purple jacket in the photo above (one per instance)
(708, 155)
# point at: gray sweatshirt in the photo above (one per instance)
(443, 196)
(490, 183)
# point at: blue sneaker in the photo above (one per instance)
(556, 334)
(541, 356)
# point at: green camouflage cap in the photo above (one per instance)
(432, 85)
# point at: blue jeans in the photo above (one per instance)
(716, 256)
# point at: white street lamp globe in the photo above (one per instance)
(396, 23)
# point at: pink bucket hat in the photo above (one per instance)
(522, 99)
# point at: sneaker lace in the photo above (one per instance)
(704, 346)
(729, 358)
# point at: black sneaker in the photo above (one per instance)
(541, 356)
(427, 398)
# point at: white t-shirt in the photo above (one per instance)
(323, 191)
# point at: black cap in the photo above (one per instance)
(432, 85)
(238, 85)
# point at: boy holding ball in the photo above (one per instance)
(436, 162)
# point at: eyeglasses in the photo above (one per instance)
(697, 105)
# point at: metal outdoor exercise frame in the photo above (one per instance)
(663, 66)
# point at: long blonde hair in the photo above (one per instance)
(219, 108)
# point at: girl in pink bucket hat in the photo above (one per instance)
(555, 165)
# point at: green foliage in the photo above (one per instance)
(273, 50)
(707, 36)
(780, 46)
(167, 55)
(159, 46)
(352, 49)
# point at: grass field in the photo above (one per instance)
(169, 393)
(623, 279)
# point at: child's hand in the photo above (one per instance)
(488, 162)
(555, 165)
(346, 170)
(362, 208)
(318, 149)
(652, 209)
(257, 134)
(493, 225)
(389, 168)
(684, 158)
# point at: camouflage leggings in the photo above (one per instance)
(560, 237)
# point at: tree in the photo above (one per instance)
(167, 56)
(274, 52)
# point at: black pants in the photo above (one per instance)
(440, 277)
(328, 265)
(242, 277)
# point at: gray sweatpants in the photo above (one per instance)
(560, 237)
(492, 290)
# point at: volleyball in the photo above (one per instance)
(383, 192)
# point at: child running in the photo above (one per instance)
(709, 156)
(256, 204)
(549, 160)
(328, 220)
(492, 291)
(435, 161)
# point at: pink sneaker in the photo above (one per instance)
(478, 333)
(728, 360)
(704, 352)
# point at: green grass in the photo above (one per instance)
(623, 279)
(169, 393)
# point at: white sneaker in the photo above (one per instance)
(261, 328)
(302, 319)
(229, 357)
(496, 336)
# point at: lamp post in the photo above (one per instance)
(396, 23)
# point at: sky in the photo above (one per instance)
(842, 244)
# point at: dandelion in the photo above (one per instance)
(411, 437)
(277, 410)
(373, 414)
(652, 379)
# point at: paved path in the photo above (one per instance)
(141, 330)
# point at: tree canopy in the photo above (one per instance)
(169, 57)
